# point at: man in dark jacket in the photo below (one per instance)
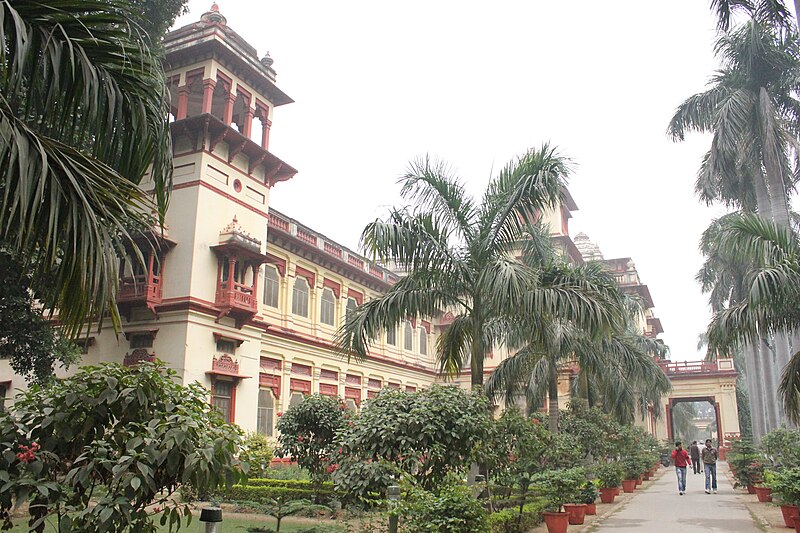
(694, 453)
(710, 457)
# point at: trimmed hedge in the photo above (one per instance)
(505, 521)
(263, 494)
(286, 483)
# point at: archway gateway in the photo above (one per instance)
(700, 381)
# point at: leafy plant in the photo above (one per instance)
(744, 460)
(279, 508)
(782, 446)
(119, 438)
(257, 450)
(309, 433)
(452, 510)
(785, 485)
(589, 492)
(609, 474)
(426, 434)
(559, 486)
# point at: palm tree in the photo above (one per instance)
(82, 124)
(618, 370)
(768, 11)
(753, 115)
(460, 255)
(772, 289)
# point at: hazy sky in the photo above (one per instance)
(376, 84)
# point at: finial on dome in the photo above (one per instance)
(267, 60)
(214, 16)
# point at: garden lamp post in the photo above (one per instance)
(212, 516)
(393, 495)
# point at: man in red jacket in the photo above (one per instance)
(681, 459)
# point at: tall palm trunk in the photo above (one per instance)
(766, 361)
(552, 397)
(755, 391)
(477, 353)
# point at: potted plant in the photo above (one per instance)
(558, 487)
(745, 465)
(785, 485)
(589, 494)
(609, 476)
(764, 490)
(631, 466)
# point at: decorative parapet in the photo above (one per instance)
(225, 364)
(234, 233)
(138, 355)
(327, 247)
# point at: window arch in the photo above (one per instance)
(266, 412)
(272, 284)
(408, 336)
(391, 336)
(423, 341)
(300, 297)
(351, 307)
(327, 314)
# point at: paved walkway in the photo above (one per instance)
(660, 509)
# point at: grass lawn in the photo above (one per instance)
(232, 523)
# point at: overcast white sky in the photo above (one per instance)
(379, 83)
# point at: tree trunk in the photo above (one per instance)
(755, 391)
(766, 361)
(552, 396)
(476, 355)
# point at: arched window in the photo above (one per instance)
(296, 399)
(300, 297)
(351, 307)
(408, 336)
(423, 341)
(391, 336)
(272, 283)
(266, 411)
(327, 313)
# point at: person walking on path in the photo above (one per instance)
(710, 456)
(681, 459)
(694, 453)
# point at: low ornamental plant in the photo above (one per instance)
(588, 493)
(785, 485)
(453, 509)
(559, 487)
(609, 475)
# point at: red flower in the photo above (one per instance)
(332, 468)
(280, 414)
(299, 438)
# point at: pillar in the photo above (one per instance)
(266, 124)
(208, 94)
(183, 102)
(228, 114)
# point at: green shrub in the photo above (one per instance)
(609, 474)
(265, 494)
(508, 520)
(287, 483)
(287, 472)
(257, 451)
(453, 510)
(785, 485)
(782, 446)
(559, 486)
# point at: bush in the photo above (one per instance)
(559, 486)
(287, 483)
(785, 485)
(453, 510)
(287, 472)
(508, 520)
(261, 494)
(782, 446)
(609, 475)
(363, 482)
(257, 451)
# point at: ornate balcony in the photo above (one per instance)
(239, 261)
(138, 355)
(141, 285)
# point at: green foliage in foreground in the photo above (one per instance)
(453, 510)
(122, 438)
(510, 521)
(263, 494)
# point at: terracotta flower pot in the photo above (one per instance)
(628, 485)
(616, 490)
(796, 520)
(788, 512)
(608, 495)
(576, 511)
(639, 481)
(764, 494)
(556, 522)
(646, 476)
(751, 489)
(591, 508)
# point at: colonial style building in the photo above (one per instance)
(240, 297)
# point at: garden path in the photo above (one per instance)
(660, 509)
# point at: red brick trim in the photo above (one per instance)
(355, 295)
(335, 287)
(310, 276)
